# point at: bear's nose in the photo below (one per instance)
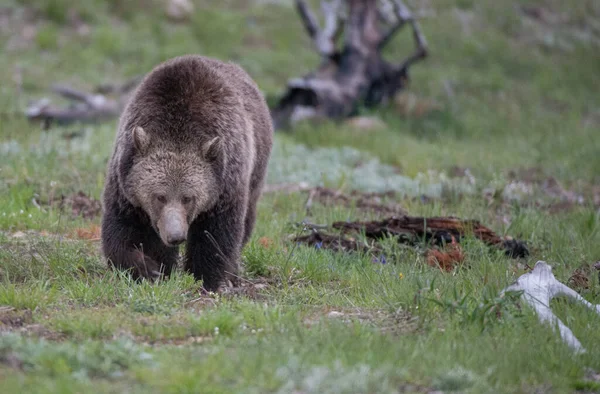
(175, 239)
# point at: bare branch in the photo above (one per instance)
(332, 28)
(111, 88)
(308, 18)
(387, 36)
(70, 93)
(404, 15)
(325, 38)
(385, 12)
(91, 100)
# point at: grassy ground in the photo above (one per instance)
(504, 93)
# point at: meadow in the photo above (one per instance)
(501, 123)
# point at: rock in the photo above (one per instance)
(179, 10)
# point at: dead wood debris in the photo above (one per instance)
(580, 279)
(444, 232)
(438, 230)
(84, 107)
(446, 259)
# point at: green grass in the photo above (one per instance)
(509, 93)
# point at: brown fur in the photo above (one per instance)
(189, 160)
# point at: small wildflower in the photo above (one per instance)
(401, 275)
(29, 215)
(381, 259)
(319, 245)
(21, 211)
(216, 330)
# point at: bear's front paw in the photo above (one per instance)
(146, 267)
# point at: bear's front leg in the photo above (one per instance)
(135, 247)
(214, 246)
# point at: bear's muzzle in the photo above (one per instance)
(173, 226)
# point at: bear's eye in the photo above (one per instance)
(161, 198)
(186, 200)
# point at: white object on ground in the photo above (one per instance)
(539, 286)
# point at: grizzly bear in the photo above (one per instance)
(189, 162)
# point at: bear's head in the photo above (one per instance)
(172, 187)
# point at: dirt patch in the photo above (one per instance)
(21, 321)
(250, 288)
(398, 322)
(377, 203)
(531, 185)
(369, 202)
(581, 277)
(11, 317)
(91, 233)
(82, 205)
(78, 204)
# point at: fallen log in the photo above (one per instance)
(434, 231)
(440, 230)
(84, 106)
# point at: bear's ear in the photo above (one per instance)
(140, 139)
(212, 150)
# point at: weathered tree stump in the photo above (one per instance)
(356, 74)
